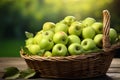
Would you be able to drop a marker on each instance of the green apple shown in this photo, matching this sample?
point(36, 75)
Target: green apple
point(88, 21)
point(98, 40)
point(34, 48)
point(46, 43)
point(73, 39)
point(113, 35)
point(69, 19)
point(48, 26)
point(88, 32)
point(39, 32)
point(59, 50)
point(29, 41)
point(61, 27)
point(75, 49)
point(88, 44)
point(98, 27)
point(48, 34)
point(47, 54)
point(64, 22)
point(75, 29)
point(37, 38)
point(60, 37)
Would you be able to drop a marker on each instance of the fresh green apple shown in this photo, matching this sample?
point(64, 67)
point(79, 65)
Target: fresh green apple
point(75, 49)
point(98, 27)
point(48, 34)
point(34, 48)
point(37, 38)
point(69, 19)
point(113, 35)
point(64, 22)
point(88, 44)
point(59, 50)
point(75, 29)
point(60, 37)
point(46, 43)
point(61, 27)
point(73, 39)
point(88, 32)
point(47, 54)
point(29, 41)
point(39, 32)
point(88, 21)
point(48, 26)
point(98, 40)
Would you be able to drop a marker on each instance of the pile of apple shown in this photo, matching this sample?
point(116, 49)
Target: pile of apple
point(68, 37)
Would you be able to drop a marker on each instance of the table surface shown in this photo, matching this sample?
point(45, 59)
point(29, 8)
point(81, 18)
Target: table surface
point(112, 74)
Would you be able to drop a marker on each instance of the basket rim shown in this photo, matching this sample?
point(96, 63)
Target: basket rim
point(60, 58)
point(71, 57)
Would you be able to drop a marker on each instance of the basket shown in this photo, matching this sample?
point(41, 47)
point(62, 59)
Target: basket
point(78, 66)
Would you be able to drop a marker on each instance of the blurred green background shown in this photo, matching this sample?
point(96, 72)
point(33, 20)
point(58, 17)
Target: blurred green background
point(18, 16)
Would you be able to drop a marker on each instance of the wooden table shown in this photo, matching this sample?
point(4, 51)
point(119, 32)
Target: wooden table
point(112, 74)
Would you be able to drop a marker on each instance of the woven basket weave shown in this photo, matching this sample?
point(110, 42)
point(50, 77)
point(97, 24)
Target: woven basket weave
point(78, 66)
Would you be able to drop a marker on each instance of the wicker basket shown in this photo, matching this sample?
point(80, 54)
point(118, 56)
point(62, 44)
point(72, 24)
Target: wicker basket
point(79, 66)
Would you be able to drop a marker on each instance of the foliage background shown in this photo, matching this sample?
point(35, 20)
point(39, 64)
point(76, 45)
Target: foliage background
point(18, 16)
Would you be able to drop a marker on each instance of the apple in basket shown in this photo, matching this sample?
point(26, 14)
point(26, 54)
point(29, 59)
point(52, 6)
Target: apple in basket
point(33, 48)
point(60, 37)
point(73, 39)
point(98, 40)
point(88, 21)
point(59, 50)
point(69, 20)
point(47, 54)
point(88, 32)
point(48, 26)
point(75, 49)
point(98, 27)
point(113, 35)
point(88, 44)
point(68, 37)
point(61, 27)
point(75, 29)
point(46, 43)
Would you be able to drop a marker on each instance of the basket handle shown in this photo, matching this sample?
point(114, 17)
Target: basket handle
point(106, 29)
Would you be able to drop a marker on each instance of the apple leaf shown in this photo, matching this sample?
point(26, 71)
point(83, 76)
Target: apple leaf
point(28, 73)
point(14, 73)
point(26, 51)
point(11, 73)
point(28, 34)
